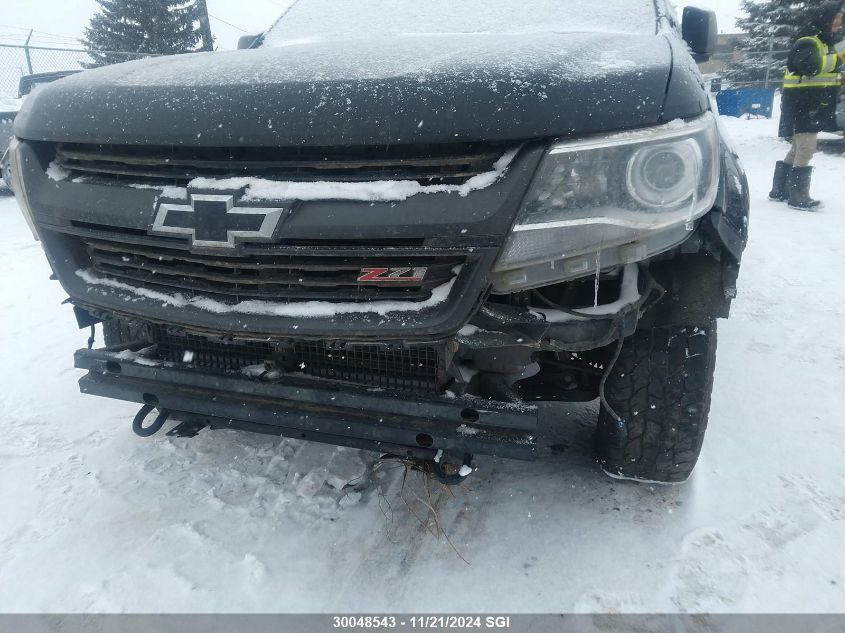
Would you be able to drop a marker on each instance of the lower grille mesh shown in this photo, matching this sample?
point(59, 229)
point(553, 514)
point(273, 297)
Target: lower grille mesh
point(213, 354)
point(416, 368)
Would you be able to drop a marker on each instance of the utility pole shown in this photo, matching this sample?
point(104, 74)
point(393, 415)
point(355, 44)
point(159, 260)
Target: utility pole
point(205, 26)
point(26, 52)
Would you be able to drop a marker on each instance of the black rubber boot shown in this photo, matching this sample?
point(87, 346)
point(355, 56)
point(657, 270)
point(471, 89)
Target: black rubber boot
point(799, 189)
point(779, 191)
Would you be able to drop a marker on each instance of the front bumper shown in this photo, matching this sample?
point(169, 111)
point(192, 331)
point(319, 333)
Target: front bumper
point(334, 414)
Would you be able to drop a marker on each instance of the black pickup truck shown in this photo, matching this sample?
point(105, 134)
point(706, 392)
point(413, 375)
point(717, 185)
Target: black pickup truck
point(401, 226)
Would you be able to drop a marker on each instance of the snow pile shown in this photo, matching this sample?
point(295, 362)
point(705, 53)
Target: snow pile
point(315, 466)
point(140, 357)
point(56, 172)
point(177, 193)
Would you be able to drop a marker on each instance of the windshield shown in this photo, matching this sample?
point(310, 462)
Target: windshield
point(318, 20)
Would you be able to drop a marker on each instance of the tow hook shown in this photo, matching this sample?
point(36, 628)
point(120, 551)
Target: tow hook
point(451, 468)
point(152, 429)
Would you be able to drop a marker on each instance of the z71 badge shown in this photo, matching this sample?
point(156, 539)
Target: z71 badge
point(392, 275)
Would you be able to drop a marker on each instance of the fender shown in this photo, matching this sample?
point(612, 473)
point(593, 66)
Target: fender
point(729, 223)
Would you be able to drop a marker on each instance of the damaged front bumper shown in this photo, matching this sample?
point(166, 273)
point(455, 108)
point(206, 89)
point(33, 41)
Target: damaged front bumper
point(497, 325)
point(469, 407)
point(367, 419)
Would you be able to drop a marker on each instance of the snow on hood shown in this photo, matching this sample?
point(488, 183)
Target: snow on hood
point(492, 87)
point(426, 57)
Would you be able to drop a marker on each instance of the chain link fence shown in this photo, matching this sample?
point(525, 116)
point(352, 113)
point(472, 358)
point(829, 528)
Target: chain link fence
point(17, 61)
point(754, 65)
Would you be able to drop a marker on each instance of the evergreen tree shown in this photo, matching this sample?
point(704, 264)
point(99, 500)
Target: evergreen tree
point(146, 27)
point(775, 23)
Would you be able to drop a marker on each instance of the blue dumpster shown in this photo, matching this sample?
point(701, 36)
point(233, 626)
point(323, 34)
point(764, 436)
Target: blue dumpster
point(751, 101)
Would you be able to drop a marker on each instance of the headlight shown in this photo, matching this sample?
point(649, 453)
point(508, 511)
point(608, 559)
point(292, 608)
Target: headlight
point(605, 192)
point(664, 175)
point(14, 157)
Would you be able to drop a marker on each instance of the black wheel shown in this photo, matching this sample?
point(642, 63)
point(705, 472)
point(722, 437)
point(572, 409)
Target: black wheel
point(660, 387)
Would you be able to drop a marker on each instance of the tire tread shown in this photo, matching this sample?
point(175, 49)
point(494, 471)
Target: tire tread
point(660, 386)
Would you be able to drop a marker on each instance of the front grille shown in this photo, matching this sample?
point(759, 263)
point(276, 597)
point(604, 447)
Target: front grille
point(428, 164)
point(213, 353)
point(277, 277)
point(416, 368)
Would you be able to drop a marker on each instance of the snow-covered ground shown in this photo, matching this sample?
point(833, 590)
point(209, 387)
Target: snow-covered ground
point(93, 518)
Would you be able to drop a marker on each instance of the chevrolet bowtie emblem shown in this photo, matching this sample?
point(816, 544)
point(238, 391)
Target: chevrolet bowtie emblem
point(213, 221)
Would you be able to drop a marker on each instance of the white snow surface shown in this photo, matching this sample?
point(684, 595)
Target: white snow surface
point(56, 172)
point(509, 62)
point(10, 104)
point(140, 357)
point(96, 519)
point(179, 193)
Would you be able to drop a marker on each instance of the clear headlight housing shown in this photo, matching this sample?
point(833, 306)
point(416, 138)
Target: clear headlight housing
point(600, 192)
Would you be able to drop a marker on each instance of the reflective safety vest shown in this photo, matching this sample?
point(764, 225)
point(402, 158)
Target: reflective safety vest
point(827, 76)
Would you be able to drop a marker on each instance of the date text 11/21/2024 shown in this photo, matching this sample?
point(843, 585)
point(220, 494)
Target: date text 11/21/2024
point(422, 622)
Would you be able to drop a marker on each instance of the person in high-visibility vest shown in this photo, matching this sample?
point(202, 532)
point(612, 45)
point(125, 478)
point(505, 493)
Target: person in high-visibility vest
point(808, 106)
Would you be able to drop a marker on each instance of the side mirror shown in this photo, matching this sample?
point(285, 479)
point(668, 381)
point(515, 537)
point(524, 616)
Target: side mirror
point(699, 31)
point(248, 41)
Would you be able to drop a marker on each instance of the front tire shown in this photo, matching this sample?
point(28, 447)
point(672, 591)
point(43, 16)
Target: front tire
point(660, 386)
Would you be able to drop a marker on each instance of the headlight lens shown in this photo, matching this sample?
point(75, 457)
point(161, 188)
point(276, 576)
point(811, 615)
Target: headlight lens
point(606, 191)
point(664, 175)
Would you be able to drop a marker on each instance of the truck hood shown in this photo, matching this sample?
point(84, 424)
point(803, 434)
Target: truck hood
point(406, 89)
